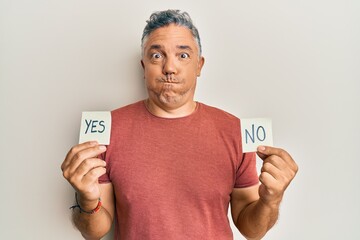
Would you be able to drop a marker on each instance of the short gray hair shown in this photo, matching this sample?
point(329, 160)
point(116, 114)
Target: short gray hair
point(164, 18)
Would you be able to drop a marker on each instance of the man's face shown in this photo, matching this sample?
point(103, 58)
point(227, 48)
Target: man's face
point(171, 65)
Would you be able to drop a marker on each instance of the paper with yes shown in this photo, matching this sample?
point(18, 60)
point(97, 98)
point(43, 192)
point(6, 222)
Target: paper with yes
point(95, 126)
point(256, 132)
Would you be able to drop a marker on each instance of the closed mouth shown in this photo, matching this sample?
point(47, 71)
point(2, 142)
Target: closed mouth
point(168, 81)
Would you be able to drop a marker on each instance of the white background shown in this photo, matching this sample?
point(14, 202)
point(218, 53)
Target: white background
point(296, 62)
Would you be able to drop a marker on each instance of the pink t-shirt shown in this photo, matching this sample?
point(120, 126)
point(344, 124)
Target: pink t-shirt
point(173, 177)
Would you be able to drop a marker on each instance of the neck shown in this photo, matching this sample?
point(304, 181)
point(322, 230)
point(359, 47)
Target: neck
point(170, 111)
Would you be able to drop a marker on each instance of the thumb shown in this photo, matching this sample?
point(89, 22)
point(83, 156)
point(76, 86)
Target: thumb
point(260, 153)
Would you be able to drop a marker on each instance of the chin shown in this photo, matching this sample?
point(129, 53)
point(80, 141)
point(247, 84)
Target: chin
point(167, 99)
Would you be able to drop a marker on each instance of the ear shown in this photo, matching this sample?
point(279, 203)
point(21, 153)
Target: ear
point(200, 65)
point(142, 64)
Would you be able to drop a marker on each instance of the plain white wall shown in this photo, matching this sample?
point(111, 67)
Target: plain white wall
point(294, 61)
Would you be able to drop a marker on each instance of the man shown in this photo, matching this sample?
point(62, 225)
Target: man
point(174, 165)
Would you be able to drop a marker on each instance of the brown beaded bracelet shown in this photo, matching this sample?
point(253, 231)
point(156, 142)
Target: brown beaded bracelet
point(82, 210)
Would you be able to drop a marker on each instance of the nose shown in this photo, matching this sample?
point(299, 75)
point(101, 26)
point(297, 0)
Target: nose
point(169, 66)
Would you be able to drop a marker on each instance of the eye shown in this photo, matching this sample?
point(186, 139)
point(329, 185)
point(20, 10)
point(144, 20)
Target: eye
point(156, 55)
point(184, 55)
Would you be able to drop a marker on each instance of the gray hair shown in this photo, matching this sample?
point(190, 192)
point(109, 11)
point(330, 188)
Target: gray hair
point(164, 18)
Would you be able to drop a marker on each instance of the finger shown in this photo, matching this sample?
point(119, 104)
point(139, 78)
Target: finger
point(268, 151)
point(261, 155)
point(267, 179)
point(75, 149)
point(272, 170)
point(81, 156)
point(87, 165)
point(272, 185)
point(287, 167)
point(93, 175)
point(276, 161)
point(270, 190)
point(285, 156)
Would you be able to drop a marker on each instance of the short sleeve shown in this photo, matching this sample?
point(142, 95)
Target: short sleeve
point(246, 174)
point(105, 177)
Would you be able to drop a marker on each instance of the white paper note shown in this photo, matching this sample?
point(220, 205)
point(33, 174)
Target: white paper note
point(95, 126)
point(256, 132)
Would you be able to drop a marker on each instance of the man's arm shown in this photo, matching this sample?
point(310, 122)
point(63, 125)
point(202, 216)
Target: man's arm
point(95, 226)
point(249, 215)
point(81, 168)
point(255, 209)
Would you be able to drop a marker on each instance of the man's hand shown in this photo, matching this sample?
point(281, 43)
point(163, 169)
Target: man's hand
point(81, 168)
point(276, 174)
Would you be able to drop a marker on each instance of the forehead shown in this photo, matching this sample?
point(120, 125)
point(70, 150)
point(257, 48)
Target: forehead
point(171, 35)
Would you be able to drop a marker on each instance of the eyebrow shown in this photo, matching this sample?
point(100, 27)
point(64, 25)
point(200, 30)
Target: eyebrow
point(183, 47)
point(155, 46)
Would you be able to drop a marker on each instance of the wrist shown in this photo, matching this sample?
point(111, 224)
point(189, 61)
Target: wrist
point(274, 204)
point(87, 206)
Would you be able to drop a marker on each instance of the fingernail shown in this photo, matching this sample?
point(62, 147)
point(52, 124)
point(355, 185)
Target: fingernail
point(102, 148)
point(93, 143)
point(261, 148)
